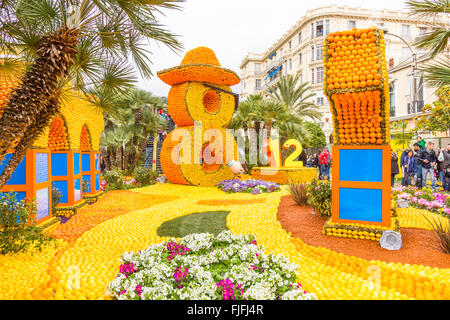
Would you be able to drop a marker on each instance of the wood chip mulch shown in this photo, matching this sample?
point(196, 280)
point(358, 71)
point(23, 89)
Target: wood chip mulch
point(419, 246)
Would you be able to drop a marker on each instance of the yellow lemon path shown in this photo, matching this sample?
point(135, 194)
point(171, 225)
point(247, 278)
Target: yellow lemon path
point(83, 268)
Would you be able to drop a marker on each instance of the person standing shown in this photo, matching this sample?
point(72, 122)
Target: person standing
point(440, 168)
point(446, 167)
point(325, 164)
point(394, 167)
point(429, 160)
point(410, 167)
point(417, 151)
point(403, 159)
point(421, 142)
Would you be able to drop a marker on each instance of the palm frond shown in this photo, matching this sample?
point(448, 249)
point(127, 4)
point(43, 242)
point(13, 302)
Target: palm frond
point(11, 68)
point(427, 8)
point(437, 74)
point(435, 41)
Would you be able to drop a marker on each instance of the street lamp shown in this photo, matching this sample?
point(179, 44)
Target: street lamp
point(414, 68)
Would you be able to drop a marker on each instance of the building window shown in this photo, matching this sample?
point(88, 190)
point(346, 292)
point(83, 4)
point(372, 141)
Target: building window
point(320, 101)
point(300, 58)
point(257, 68)
point(351, 24)
point(422, 30)
point(258, 84)
point(312, 30)
point(312, 75)
point(290, 44)
point(299, 37)
point(405, 53)
point(319, 28)
point(301, 78)
point(319, 55)
point(312, 53)
point(290, 64)
point(406, 32)
point(392, 100)
point(327, 27)
point(319, 78)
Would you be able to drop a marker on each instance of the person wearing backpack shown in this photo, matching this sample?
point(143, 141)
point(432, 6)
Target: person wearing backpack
point(410, 168)
point(325, 164)
point(429, 160)
point(403, 160)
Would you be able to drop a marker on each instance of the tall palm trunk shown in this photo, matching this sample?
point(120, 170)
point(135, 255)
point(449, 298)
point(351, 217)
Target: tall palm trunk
point(119, 159)
point(54, 57)
point(141, 150)
point(43, 120)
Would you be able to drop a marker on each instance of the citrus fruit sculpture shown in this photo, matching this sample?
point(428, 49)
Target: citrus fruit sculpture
point(356, 85)
point(200, 94)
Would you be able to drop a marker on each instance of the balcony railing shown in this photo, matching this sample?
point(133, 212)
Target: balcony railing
point(415, 106)
point(271, 82)
point(274, 63)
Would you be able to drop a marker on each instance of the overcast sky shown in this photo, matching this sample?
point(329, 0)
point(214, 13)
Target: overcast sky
point(232, 28)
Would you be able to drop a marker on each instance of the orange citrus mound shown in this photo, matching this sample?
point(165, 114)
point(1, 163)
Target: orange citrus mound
point(202, 65)
point(57, 136)
point(85, 141)
point(112, 204)
point(6, 86)
point(225, 202)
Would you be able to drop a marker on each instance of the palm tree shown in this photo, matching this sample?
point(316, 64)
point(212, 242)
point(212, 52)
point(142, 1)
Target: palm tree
point(294, 96)
point(84, 43)
point(135, 119)
point(436, 74)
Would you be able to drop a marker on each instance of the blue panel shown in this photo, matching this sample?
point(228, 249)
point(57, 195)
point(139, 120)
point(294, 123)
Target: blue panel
point(97, 182)
point(87, 183)
point(97, 167)
point(77, 194)
point(42, 204)
point(63, 188)
point(361, 165)
point(41, 167)
point(86, 162)
point(76, 163)
point(59, 164)
point(360, 204)
point(19, 177)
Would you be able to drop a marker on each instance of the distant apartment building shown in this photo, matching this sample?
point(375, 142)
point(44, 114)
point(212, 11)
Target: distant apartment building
point(299, 51)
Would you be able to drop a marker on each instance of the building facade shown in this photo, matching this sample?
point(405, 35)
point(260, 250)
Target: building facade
point(299, 51)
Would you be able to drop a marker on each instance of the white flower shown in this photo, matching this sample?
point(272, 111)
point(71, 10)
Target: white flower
point(259, 291)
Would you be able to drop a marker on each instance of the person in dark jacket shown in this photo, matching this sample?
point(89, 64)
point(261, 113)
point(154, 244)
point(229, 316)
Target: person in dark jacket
point(429, 160)
point(410, 167)
point(417, 151)
point(403, 159)
point(394, 167)
point(445, 165)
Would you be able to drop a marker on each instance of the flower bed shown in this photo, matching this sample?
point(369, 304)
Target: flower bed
point(204, 267)
point(248, 186)
point(423, 199)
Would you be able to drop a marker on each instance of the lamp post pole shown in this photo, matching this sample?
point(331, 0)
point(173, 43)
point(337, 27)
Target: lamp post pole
point(414, 69)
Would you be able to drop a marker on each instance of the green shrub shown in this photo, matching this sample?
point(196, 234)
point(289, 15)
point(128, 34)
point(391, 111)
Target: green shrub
point(319, 196)
point(18, 231)
point(114, 178)
point(298, 192)
point(145, 176)
point(442, 233)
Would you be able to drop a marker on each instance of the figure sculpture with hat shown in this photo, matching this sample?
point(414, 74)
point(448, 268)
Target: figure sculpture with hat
point(200, 94)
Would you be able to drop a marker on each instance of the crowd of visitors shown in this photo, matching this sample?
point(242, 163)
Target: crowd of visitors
point(421, 163)
point(322, 162)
